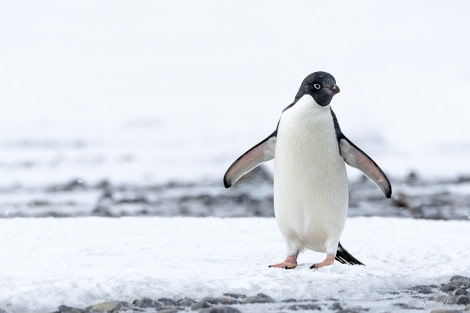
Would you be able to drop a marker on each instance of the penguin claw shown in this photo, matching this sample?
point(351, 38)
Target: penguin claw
point(289, 263)
point(285, 265)
point(330, 258)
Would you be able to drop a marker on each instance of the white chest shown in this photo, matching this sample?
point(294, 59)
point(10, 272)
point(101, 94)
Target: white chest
point(306, 142)
point(310, 181)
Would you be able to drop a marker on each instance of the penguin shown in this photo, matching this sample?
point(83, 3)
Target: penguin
point(310, 181)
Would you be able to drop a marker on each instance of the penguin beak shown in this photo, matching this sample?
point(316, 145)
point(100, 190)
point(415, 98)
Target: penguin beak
point(335, 89)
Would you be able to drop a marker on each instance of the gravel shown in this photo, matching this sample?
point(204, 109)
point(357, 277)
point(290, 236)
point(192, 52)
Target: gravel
point(252, 196)
point(453, 296)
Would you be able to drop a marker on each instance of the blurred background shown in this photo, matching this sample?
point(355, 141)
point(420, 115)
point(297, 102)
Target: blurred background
point(113, 108)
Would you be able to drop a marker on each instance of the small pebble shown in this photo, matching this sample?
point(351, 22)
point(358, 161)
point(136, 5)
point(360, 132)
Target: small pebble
point(108, 307)
point(167, 301)
point(235, 295)
point(66, 309)
point(185, 302)
point(168, 309)
point(220, 309)
point(297, 307)
point(147, 303)
point(259, 298)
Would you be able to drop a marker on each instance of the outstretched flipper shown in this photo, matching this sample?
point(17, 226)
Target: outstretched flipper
point(357, 158)
point(262, 152)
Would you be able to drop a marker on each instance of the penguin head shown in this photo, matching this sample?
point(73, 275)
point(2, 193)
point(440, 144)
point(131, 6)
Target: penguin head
point(321, 86)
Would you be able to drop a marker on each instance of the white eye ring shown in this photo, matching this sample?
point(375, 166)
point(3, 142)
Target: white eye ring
point(316, 86)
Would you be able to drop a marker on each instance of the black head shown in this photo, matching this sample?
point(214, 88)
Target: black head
point(321, 86)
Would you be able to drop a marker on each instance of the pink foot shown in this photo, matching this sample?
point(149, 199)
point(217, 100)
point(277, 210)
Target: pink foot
point(330, 258)
point(289, 263)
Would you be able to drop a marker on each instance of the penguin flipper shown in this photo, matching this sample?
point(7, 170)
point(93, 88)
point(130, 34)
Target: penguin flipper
point(355, 157)
point(262, 152)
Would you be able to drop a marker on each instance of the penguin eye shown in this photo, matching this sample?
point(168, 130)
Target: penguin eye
point(316, 86)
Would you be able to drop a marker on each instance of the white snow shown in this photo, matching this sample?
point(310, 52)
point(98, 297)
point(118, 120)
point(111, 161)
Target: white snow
point(81, 261)
point(154, 91)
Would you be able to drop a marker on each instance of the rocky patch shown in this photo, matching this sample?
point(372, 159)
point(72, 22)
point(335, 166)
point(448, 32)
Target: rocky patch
point(252, 196)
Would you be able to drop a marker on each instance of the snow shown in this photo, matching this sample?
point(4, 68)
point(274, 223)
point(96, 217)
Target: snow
point(81, 261)
point(151, 92)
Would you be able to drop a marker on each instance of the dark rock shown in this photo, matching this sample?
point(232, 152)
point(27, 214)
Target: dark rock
point(201, 305)
point(259, 298)
point(210, 301)
point(463, 179)
point(104, 184)
point(447, 288)
point(423, 289)
point(461, 292)
point(297, 307)
point(185, 302)
point(169, 309)
point(130, 198)
point(108, 307)
point(462, 299)
point(353, 310)
point(464, 281)
point(235, 295)
point(101, 210)
point(340, 309)
point(38, 203)
point(66, 309)
point(220, 309)
point(401, 200)
point(412, 178)
point(336, 306)
point(74, 184)
point(446, 311)
point(167, 301)
point(402, 305)
point(147, 303)
point(107, 195)
point(227, 300)
point(457, 286)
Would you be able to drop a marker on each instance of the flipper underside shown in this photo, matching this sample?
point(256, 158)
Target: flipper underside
point(262, 152)
point(355, 157)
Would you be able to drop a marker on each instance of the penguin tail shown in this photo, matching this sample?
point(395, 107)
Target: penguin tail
point(345, 257)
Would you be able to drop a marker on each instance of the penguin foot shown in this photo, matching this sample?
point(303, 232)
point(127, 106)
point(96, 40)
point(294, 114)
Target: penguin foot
point(286, 265)
point(289, 263)
point(330, 258)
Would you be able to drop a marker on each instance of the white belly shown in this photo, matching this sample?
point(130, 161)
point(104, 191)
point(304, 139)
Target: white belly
point(310, 180)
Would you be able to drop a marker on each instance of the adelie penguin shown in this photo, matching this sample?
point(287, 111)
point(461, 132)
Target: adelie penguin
point(310, 180)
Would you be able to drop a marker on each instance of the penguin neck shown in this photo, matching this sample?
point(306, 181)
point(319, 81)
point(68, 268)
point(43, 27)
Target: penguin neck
point(307, 109)
point(308, 126)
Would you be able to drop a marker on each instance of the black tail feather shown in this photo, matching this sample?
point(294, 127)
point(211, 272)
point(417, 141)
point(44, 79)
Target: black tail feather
point(344, 257)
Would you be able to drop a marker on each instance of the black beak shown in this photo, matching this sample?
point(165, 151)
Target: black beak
point(335, 89)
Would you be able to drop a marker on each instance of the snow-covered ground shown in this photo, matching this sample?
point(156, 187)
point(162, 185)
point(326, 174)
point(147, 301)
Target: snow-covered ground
point(151, 92)
point(81, 261)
